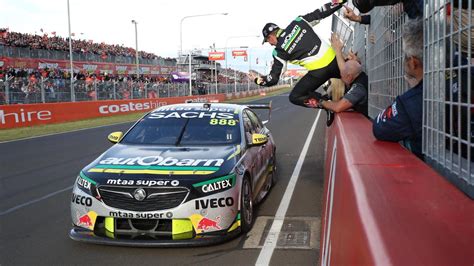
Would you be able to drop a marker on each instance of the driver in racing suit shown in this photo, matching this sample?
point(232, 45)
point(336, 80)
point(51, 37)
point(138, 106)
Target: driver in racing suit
point(300, 45)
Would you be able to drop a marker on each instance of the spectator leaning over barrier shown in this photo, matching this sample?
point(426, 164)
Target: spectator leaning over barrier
point(402, 121)
point(355, 80)
point(300, 45)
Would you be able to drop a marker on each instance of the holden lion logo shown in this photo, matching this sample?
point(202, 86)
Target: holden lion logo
point(139, 194)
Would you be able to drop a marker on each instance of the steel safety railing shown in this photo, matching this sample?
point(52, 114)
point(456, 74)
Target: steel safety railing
point(19, 90)
point(448, 106)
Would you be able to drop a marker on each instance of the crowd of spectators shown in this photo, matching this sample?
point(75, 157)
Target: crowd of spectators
point(25, 85)
point(57, 43)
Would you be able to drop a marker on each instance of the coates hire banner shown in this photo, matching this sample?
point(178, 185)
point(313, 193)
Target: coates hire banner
point(236, 53)
point(214, 56)
point(87, 66)
point(23, 115)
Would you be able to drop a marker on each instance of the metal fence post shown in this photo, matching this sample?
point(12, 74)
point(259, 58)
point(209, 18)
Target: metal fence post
point(43, 98)
point(7, 89)
point(114, 84)
point(95, 89)
point(146, 91)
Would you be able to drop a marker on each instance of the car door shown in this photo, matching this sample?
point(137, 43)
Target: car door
point(261, 158)
point(251, 152)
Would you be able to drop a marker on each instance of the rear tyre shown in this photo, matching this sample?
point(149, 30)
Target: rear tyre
point(246, 206)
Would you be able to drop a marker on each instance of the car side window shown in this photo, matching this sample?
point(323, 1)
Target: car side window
point(256, 123)
point(248, 127)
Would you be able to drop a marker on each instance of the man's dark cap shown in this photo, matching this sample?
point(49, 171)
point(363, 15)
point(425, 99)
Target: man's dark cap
point(269, 28)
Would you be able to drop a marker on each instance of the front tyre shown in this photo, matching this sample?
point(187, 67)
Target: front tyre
point(246, 206)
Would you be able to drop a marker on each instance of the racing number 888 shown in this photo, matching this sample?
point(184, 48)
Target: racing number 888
point(223, 122)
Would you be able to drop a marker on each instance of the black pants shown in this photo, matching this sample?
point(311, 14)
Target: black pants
point(306, 86)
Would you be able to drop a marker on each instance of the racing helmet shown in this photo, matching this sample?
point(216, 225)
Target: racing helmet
point(268, 29)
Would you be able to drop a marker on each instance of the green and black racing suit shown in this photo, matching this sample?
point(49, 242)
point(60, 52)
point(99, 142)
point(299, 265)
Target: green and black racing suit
point(300, 45)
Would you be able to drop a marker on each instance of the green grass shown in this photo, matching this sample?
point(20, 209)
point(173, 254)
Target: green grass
point(26, 132)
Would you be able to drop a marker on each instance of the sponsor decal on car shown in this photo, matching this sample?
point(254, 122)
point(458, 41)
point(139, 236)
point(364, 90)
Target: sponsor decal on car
point(81, 200)
point(195, 108)
point(202, 224)
point(85, 182)
point(214, 203)
point(145, 183)
point(87, 220)
point(215, 185)
point(157, 165)
point(141, 215)
point(164, 115)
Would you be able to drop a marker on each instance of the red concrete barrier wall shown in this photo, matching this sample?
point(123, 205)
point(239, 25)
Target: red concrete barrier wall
point(384, 206)
point(22, 115)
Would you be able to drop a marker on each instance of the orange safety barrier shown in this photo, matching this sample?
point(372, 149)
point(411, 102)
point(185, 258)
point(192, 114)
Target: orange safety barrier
point(384, 206)
point(22, 115)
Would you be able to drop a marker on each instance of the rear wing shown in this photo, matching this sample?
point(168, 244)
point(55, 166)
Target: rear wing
point(263, 106)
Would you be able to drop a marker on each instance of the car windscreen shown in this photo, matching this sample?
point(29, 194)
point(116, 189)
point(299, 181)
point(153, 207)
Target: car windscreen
point(185, 128)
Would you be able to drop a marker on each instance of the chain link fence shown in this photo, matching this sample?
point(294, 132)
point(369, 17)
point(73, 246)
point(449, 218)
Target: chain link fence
point(448, 106)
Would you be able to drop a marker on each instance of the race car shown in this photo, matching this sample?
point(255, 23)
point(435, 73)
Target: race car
point(182, 175)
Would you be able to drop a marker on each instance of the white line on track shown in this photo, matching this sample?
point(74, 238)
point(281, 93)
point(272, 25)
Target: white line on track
point(270, 242)
point(34, 201)
point(59, 133)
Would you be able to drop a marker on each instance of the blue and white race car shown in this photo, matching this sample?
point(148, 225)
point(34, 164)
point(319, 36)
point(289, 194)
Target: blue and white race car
point(184, 174)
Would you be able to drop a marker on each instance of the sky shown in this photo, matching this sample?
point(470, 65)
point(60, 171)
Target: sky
point(159, 23)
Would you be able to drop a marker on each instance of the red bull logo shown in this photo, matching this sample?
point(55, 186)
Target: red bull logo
point(206, 224)
point(85, 221)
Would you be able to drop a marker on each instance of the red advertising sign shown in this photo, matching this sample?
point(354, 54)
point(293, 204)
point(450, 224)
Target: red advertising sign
point(214, 56)
point(239, 53)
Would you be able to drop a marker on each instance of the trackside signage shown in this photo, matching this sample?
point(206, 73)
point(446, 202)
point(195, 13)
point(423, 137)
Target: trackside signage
point(24, 115)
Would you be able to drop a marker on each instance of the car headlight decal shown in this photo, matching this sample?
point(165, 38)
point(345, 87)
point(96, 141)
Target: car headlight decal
point(87, 185)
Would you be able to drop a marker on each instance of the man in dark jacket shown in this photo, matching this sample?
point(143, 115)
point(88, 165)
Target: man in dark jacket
point(300, 45)
point(402, 120)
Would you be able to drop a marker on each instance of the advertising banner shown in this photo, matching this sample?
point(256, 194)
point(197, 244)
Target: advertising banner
point(214, 56)
point(236, 53)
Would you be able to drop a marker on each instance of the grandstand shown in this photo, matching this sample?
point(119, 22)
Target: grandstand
point(35, 69)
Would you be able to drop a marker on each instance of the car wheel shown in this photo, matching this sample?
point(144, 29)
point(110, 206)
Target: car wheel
point(246, 206)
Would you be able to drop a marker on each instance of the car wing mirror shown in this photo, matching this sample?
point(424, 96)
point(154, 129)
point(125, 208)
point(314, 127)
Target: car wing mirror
point(259, 139)
point(115, 137)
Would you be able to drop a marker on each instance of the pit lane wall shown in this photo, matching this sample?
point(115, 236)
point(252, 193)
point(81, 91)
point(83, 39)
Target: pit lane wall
point(384, 206)
point(24, 115)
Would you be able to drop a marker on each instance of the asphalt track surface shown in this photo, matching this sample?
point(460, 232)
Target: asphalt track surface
point(36, 176)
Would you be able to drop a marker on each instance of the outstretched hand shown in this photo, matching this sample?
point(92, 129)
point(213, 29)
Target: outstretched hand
point(350, 15)
point(254, 77)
